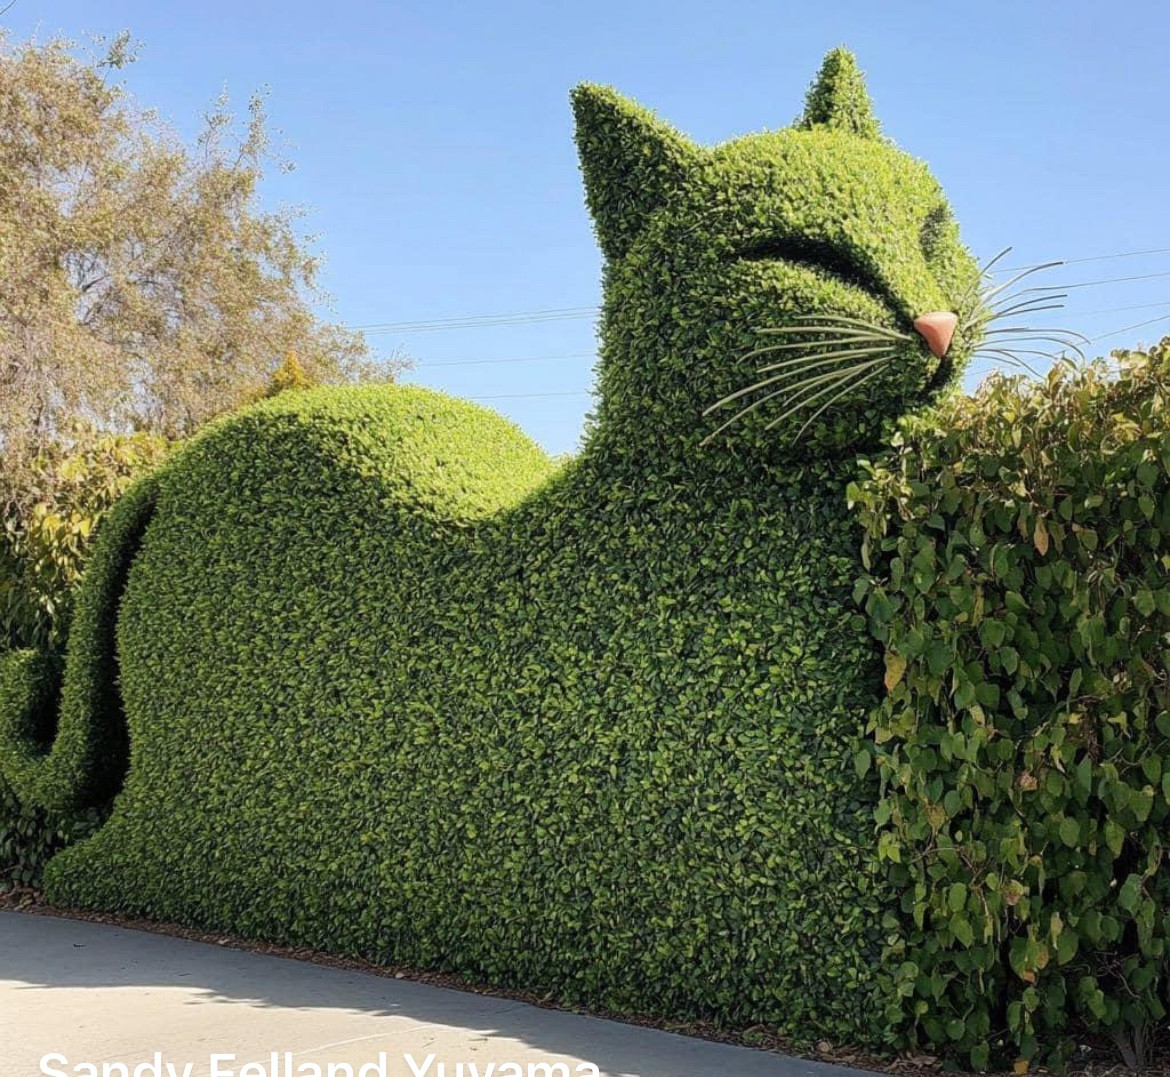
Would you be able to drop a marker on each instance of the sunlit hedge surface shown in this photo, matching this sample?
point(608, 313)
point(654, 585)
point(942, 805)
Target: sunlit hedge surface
point(396, 686)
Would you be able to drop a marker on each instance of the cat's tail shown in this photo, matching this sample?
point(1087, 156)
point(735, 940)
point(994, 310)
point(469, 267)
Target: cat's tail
point(63, 739)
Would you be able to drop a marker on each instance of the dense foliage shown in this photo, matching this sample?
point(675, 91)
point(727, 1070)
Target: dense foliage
point(839, 99)
point(508, 742)
point(47, 528)
point(30, 836)
point(48, 533)
point(398, 686)
point(1020, 585)
point(73, 755)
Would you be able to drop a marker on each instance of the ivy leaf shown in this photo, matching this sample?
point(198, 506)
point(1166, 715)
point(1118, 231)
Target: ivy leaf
point(1040, 536)
point(895, 669)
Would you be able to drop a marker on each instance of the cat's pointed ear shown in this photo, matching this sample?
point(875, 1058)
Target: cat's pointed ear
point(631, 161)
point(838, 99)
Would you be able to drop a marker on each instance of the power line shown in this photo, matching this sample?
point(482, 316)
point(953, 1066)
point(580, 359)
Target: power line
point(1093, 283)
point(1113, 310)
point(528, 317)
point(1095, 258)
point(476, 321)
point(518, 359)
point(1127, 328)
point(427, 365)
point(526, 396)
point(588, 392)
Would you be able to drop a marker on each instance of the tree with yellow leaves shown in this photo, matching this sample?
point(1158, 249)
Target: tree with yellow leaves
point(141, 286)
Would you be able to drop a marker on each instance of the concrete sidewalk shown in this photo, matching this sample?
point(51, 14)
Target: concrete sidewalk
point(93, 994)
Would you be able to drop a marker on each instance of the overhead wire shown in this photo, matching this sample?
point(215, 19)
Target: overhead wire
point(523, 396)
point(1093, 258)
point(520, 318)
point(472, 321)
point(430, 365)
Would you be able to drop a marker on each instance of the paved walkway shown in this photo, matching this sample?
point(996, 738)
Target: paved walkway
point(92, 993)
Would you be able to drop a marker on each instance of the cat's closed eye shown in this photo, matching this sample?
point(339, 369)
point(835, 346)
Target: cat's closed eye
point(817, 254)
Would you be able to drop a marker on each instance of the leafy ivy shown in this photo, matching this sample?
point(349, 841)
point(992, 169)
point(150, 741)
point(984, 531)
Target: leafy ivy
point(1018, 579)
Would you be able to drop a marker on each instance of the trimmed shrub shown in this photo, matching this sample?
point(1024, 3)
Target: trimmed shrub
point(289, 376)
point(1020, 586)
point(75, 757)
point(398, 686)
point(46, 539)
point(30, 836)
point(385, 703)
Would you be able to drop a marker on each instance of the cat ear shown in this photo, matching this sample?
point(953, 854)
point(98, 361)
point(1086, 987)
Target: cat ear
point(631, 161)
point(838, 99)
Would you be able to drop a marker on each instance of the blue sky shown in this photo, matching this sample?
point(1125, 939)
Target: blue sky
point(433, 144)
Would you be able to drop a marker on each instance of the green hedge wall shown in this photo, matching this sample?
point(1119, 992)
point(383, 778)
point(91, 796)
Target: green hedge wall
point(581, 742)
point(396, 685)
point(1021, 588)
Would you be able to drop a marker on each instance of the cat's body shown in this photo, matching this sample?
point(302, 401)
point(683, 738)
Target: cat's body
point(399, 691)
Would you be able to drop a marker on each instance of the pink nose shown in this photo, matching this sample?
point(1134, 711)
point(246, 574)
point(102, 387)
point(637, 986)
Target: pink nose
point(937, 329)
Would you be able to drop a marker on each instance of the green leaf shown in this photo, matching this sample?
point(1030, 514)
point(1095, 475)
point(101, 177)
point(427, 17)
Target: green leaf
point(1130, 893)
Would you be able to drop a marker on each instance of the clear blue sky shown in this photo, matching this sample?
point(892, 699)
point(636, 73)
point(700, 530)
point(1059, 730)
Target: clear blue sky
point(434, 147)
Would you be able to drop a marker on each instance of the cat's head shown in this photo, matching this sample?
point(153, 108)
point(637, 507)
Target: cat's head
point(819, 246)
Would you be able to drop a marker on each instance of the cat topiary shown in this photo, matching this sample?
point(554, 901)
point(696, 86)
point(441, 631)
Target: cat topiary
point(396, 685)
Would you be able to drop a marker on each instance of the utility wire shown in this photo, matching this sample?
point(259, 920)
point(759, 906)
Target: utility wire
point(477, 321)
point(1126, 329)
point(488, 321)
point(1093, 283)
point(1095, 258)
point(527, 396)
point(1113, 310)
point(517, 359)
point(429, 365)
point(568, 313)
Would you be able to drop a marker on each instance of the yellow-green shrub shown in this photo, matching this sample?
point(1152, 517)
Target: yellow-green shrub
point(46, 530)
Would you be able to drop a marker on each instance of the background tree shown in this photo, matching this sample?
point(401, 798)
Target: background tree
point(290, 376)
point(141, 286)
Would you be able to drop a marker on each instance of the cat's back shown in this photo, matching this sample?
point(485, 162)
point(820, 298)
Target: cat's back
point(294, 549)
point(398, 446)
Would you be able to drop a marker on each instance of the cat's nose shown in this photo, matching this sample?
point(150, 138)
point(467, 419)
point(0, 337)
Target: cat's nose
point(937, 329)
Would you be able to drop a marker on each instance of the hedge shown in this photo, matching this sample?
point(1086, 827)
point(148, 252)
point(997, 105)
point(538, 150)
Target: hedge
point(44, 545)
point(398, 686)
point(29, 837)
point(72, 756)
point(1020, 586)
